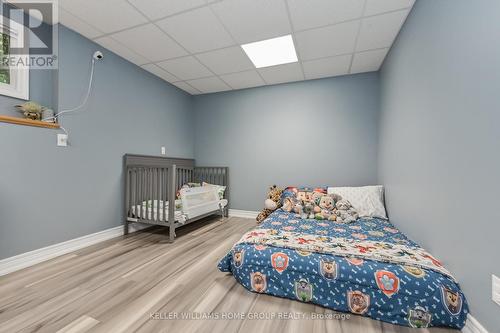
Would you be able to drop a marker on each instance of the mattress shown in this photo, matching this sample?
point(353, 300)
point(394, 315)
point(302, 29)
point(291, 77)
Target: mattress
point(367, 268)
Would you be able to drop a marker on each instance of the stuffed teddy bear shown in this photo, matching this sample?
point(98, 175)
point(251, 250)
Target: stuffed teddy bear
point(345, 212)
point(272, 203)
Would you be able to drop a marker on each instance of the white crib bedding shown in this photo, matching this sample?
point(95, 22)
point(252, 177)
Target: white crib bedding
point(148, 210)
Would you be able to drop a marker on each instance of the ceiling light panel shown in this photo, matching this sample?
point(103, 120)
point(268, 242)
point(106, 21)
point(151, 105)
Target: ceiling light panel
point(271, 52)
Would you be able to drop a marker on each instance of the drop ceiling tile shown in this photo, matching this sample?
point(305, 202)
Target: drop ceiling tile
point(155, 9)
point(250, 21)
point(281, 73)
point(186, 87)
point(380, 31)
point(121, 50)
point(368, 61)
point(327, 67)
point(374, 7)
point(225, 61)
point(108, 16)
point(149, 41)
point(209, 85)
point(76, 24)
point(328, 41)
point(243, 80)
point(160, 72)
point(316, 13)
point(185, 68)
point(197, 30)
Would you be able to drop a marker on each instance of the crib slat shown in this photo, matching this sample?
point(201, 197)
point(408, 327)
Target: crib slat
point(167, 190)
point(161, 195)
point(150, 193)
point(136, 190)
point(166, 187)
point(141, 192)
point(160, 202)
point(128, 189)
point(171, 206)
point(152, 182)
point(144, 192)
point(157, 195)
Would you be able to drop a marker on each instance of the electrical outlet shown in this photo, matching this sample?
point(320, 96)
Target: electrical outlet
point(495, 289)
point(163, 151)
point(62, 140)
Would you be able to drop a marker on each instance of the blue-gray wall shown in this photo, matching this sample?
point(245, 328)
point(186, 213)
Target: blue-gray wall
point(440, 139)
point(50, 194)
point(319, 132)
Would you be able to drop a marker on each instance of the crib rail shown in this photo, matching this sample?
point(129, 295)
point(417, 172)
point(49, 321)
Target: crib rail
point(212, 175)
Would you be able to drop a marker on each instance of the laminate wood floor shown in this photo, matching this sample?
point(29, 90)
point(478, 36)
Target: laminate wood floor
point(140, 283)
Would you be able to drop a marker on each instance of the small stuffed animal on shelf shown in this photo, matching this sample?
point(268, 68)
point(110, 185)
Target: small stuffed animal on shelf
point(345, 212)
point(272, 203)
point(31, 110)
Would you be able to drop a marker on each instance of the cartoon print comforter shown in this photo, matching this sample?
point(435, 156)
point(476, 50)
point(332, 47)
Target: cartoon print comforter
point(367, 268)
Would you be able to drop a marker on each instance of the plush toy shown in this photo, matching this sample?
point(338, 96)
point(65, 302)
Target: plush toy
point(308, 203)
point(304, 194)
point(300, 201)
point(345, 212)
point(307, 210)
point(325, 207)
point(291, 204)
point(31, 110)
point(272, 203)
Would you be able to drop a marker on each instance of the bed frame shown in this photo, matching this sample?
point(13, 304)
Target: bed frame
point(159, 178)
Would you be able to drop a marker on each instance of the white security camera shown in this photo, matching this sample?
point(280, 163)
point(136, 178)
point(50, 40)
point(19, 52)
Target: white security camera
point(98, 55)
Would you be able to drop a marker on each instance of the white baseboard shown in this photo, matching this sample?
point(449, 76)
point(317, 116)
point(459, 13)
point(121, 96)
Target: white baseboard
point(473, 326)
point(248, 214)
point(23, 260)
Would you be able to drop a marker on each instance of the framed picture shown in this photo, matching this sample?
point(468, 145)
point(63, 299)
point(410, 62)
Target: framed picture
point(14, 76)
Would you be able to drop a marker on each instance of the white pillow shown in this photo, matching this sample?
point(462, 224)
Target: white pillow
point(368, 201)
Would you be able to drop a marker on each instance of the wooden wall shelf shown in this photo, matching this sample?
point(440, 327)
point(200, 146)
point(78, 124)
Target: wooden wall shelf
point(28, 122)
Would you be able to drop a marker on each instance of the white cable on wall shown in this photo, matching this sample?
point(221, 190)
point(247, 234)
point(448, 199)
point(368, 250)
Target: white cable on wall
point(97, 56)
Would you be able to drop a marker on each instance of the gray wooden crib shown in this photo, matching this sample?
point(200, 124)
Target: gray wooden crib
point(150, 179)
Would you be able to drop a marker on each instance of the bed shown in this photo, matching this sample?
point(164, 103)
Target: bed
point(152, 182)
point(367, 268)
